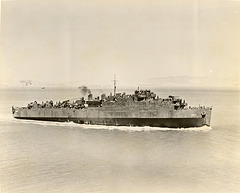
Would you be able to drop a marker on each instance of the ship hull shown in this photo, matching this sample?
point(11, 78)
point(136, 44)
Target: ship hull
point(152, 122)
point(122, 116)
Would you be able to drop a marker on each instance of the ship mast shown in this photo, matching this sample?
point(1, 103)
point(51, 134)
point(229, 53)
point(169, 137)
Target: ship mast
point(114, 85)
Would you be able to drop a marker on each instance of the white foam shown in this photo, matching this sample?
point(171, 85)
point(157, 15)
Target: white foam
point(145, 128)
point(105, 127)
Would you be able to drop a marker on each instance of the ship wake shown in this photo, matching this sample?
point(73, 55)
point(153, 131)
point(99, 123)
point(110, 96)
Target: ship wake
point(144, 128)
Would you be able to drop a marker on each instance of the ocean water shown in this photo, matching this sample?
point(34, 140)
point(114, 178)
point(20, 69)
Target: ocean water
point(39, 157)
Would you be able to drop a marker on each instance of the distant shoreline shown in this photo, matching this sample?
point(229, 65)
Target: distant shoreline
point(120, 88)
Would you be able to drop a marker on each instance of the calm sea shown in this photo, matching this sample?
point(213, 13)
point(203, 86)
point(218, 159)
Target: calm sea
point(39, 157)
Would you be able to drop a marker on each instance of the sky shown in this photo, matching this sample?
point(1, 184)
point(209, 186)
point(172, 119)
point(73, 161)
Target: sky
point(87, 42)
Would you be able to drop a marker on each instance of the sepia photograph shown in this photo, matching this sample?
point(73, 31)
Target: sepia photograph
point(138, 96)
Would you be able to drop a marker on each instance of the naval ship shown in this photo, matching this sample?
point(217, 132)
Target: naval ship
point(142, 108)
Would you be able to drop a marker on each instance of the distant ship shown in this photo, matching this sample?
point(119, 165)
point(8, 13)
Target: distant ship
point(142, 108)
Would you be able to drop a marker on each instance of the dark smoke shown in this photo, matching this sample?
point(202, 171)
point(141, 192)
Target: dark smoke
point(84, 90)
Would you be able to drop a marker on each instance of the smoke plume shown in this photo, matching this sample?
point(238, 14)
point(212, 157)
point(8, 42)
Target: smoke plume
point(84, 90)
